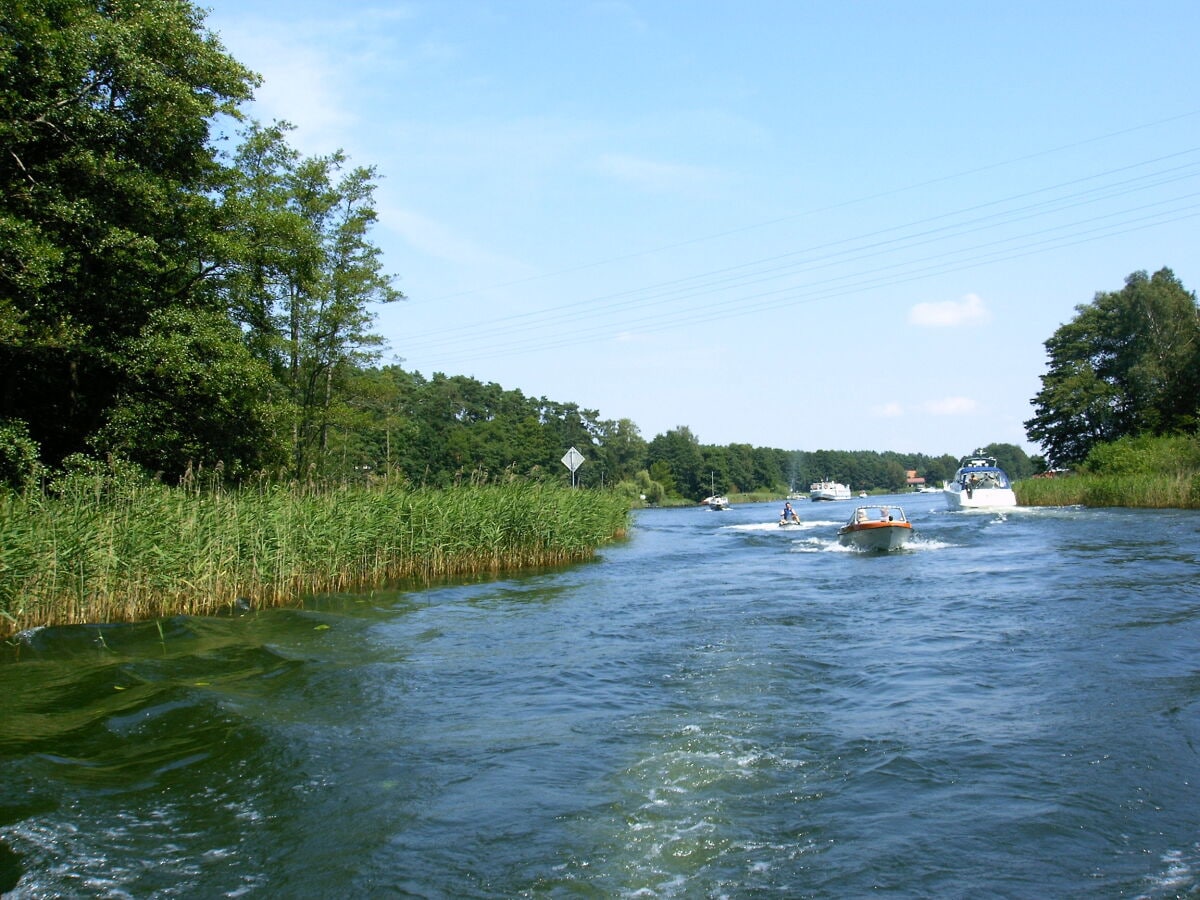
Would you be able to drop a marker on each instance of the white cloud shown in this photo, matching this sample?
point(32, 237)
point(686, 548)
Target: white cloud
point(949, 313)
point(651, 175)
point(950, 406)
point(889, 410)
point(300, 84)
point(310, 67)
point(435, 239)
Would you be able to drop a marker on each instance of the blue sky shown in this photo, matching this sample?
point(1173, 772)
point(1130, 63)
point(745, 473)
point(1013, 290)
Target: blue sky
point(790, 224)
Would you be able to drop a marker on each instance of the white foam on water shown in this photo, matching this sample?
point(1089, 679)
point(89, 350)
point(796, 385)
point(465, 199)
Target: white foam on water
point(788, 528)
point(1178, 876)
point(821, 545)
point(922, 543)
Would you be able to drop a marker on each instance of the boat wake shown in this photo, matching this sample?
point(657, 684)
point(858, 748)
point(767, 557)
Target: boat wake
point(821, 545)
point(791, 528)
point(833, 545)
point(922, 543)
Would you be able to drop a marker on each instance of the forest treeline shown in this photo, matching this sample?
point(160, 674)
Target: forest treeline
point(447, 429)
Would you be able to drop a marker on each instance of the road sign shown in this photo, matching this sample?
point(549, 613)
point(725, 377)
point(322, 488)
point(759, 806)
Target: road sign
point(572, 459)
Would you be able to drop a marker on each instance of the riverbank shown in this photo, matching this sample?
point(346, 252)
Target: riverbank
point(1177, 491)
point(155, 551)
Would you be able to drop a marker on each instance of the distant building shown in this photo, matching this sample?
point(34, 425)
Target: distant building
point(912, 479)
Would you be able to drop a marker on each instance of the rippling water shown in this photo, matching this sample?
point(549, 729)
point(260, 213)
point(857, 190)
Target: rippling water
point(718, 707)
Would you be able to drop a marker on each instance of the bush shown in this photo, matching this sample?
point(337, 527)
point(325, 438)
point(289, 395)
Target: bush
point(85, 477)
point(20, 467)
point(1145, 455)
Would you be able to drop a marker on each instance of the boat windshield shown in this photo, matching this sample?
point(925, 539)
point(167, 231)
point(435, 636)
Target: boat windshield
point(865, 514)
point(985, 478)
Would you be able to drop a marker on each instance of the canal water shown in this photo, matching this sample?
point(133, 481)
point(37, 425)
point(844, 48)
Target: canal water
point(716, 707)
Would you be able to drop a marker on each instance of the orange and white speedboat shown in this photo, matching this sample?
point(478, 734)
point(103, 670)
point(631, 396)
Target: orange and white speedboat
point(876, 528)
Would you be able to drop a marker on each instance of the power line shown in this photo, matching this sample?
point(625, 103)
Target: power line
point(854, 249)
point(836, 288)
point(815, 211)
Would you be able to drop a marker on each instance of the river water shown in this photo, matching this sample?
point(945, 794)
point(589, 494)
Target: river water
point(716, 707)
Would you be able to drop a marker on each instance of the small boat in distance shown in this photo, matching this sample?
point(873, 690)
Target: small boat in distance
point(828, 490)
point(715, 501)
point(876, 528)
point(979, 484)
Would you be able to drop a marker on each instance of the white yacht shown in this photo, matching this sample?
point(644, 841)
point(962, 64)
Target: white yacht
point(979, 484)
point(828, 490)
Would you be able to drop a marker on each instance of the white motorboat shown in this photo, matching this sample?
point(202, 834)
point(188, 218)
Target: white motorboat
point(979, 484)
point(876, 528)
point(828, 490)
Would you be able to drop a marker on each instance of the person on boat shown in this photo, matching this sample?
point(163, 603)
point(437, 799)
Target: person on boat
point(788, 515)
point(860, 516)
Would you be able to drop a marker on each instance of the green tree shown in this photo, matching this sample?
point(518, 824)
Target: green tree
point(19, 465)
point(714, 461)
point(623, 449)
point(740, 465)
point(303, 277)
point(652, 490)
point(106, 185)
point(195, 397)
point(1012, 459)
point(1128, 363)
point(334, 335)
point(680, 451)
point(660, 474)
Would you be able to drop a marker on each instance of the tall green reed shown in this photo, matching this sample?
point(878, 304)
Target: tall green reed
point(1180, 490)
point(150, 550)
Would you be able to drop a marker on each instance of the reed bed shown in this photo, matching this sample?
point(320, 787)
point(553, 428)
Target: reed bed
point(1180, 490)
point(155, 550)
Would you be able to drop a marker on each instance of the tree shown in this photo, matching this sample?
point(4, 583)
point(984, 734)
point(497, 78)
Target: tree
point(1012, 459)
point(106, 182)
point(195, 397)
point(303, 277)
point(1128, 363)
point(660, 474)
point(623, 449)
point(330, 333)
point(679, 450)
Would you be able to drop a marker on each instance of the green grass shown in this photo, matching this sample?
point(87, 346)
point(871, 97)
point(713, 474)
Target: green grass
point(1156, 472)
point(1154, 491)
point(148, 550)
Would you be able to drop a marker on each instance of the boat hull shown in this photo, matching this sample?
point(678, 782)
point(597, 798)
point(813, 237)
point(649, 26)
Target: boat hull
point(879, 536)
point(979, 498)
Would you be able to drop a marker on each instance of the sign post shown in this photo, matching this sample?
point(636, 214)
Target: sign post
point(572, 459)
